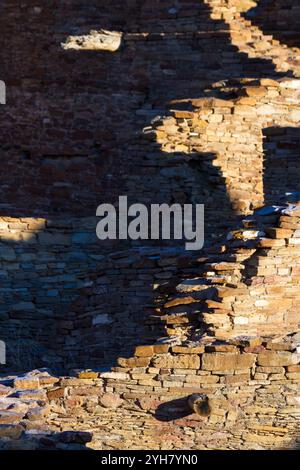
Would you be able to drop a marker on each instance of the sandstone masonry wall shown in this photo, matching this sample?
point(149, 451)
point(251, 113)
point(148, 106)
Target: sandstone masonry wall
point(199, 104)
point(162, 119)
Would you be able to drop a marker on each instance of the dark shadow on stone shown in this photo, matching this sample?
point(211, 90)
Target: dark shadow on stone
point(281, 168)
point(174, 409)
point(280, 18)
point(72, 117)
point(281, 181)
point(100, 346)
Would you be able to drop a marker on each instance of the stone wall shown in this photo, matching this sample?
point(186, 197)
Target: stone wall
point(72, 129)
point(200, 104)
point(252, 393)
point(66, 302)
point(240, 359)
point(279, 18)
point(83, 126)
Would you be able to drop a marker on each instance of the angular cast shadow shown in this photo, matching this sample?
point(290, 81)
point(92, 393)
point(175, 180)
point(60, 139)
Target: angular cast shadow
point(71, 129)
point(174, 409)
point(280, 18)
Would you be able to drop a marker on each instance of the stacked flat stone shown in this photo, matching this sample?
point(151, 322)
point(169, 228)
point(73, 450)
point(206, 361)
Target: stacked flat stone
point(252, 389)
point(247, 371)
point(250, 285)
point(231, 330)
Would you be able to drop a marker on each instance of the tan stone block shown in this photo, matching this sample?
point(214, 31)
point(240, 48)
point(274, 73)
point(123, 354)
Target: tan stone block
point(293, 241)
point(25, 383)
point(290, 226)
point(279, 232)
point(74, 382)
point(235, 379)
point(293, 376)
point(181, 361)
point(143, 376)
point(260, 410)
point(4, 391)
point(10, 417)
point(188, 350)
point(263, 439)
point(203, 379)
point(48, 380)
point(280, 346)
point(212, 304)
point(271, 370)
point(275, 358)
point(229, 361)
point(215, 118)
point(221, 348)
point(115, 375)
point(161, 348)
point(272, 429)
point(296, 233)
point(56, 393)
point(294, 368)
point(291, 217)
point(225, 266)
point(245, 110)
point(88, 375)
point(250, 342)
point(270, 242)
point(260, 376)
point(224, 292)
point(268, 82)
point(169, 384)
point(152, 370)
point(134, 362)
point(247, 100)
point(201, 125)
point(144, 351)
point(258, 91)
point(183, 114)
point(211, 103)
point(219, 318)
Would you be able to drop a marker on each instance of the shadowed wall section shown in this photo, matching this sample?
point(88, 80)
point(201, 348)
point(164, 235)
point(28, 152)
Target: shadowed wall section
point(197, 105)
point(280, 18)
point(166, 118)
point(281, 162)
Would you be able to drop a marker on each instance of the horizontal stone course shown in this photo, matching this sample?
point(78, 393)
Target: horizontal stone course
point(229, 327)
point(220, 361)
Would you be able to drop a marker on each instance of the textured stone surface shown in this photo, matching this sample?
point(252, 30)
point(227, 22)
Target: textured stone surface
point(219, 361)
point(198, 104)
point(96, 41)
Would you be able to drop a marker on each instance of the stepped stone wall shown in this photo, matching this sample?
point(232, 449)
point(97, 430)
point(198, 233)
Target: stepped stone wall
point(83, 126)
point(60, 295)
point(250, 381)
point(200, 103)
